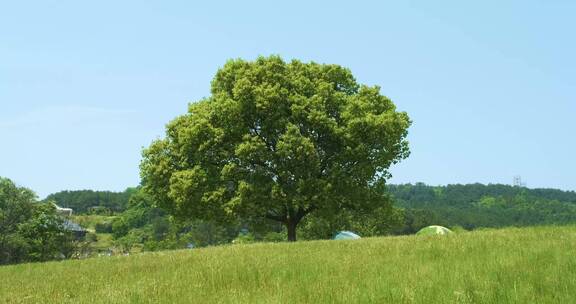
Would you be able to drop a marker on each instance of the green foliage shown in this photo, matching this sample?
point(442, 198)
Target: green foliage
point(103, 227)
point(140, 213)
point(131, 239)
point(90, 221)
point(30, 231)
point(416, 219)
point(476, 205)
point(380, 221)
point(246, 238)
point(528, 265)
point(274, 237)
point(104, 244)
point(206, 233)
point(277, 141)
point(91, 237)
point(92, 202)
point(100, 210)
point(458, 229)
point(151, 228)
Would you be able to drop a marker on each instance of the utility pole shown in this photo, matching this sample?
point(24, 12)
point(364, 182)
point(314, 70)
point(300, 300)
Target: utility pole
point(518, 182)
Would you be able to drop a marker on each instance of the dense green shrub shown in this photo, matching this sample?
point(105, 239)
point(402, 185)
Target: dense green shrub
point(30, 231)
point(103, 227)
point(91, 237)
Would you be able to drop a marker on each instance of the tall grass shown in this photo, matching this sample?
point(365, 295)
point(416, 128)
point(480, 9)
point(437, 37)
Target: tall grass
point(528, 265)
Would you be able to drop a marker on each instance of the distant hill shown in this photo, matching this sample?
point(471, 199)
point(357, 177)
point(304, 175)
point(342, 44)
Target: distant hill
point(470, 206)
point(83, 201)
point(476, 205)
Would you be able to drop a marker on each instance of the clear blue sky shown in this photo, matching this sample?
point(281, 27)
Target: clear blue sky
point(490, 85)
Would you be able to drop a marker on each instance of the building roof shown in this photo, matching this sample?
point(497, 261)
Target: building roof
point(71, 226)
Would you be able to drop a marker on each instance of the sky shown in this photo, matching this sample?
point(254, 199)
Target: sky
point(489, 85)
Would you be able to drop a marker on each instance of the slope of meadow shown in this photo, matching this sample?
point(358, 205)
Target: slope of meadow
point(528, 265)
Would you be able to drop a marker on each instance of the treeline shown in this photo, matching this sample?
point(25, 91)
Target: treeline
point(476, 205)
point(93, 202)
point(31, 230)
point(411, 208)
point(415, 206)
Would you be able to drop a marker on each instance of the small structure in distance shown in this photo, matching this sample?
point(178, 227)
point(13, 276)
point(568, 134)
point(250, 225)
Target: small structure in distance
point(346, 235)
point(77, 231)
point(63, 211)
point(517, 182)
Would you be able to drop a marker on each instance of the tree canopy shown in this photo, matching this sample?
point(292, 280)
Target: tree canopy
point(278, 141)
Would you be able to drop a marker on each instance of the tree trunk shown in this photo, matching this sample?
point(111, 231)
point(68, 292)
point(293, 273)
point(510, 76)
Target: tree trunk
point(291, 226)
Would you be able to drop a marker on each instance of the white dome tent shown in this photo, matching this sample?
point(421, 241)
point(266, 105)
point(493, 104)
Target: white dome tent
point(346, 235)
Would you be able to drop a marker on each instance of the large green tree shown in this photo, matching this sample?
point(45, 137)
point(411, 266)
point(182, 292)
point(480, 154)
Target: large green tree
point(278, 141)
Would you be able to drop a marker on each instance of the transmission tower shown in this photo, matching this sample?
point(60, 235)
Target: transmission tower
point(518, 181)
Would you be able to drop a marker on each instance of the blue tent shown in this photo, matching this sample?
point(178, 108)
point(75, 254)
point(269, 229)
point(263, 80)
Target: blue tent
point(346, 235)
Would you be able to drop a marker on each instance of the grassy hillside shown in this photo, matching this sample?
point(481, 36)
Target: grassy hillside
point(89, 221)
point(529, 265)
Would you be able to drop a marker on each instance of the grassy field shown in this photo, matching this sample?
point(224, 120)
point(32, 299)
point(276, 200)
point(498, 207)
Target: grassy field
point(529, 265)
point(89, 221)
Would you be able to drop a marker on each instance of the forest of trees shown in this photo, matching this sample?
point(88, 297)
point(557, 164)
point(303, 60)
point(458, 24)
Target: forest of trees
point(89, 201)
point(476, 205)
